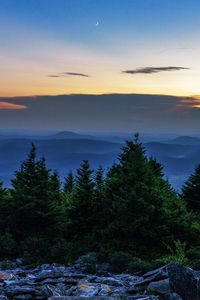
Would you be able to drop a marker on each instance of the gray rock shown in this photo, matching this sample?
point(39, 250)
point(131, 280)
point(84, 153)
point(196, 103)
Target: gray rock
point(184, 281)
point(83, 298)
point(139, 297)
point(144, 297)
point(85, 289)
point(2, 297)
point(159, 287)
point(109, 281)
point(5, 276)
point(162, 271)
point(172, 296)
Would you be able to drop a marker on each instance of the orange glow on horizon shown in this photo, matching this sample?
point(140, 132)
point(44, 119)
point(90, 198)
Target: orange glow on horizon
point(7, 105)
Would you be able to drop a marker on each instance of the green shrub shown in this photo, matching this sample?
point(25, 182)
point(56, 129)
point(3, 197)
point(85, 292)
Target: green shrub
point(195, 264)
point(60, 251)
point(8, 247)
point(35, 250)
point(124, 262)
point(88, 263)
point(119, 261)
point(177, 254)
point(138, 265)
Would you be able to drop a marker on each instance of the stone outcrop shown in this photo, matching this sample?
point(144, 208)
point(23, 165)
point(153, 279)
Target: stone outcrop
point(184, 281)
point(59, 282)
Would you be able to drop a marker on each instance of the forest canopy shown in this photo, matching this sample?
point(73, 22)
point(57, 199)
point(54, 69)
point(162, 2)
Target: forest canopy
point(129, 216)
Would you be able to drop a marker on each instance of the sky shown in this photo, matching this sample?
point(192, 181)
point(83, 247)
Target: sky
point(97, 47)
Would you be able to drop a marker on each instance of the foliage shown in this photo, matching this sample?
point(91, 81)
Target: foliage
point(177, 254)
point(191, 191)
point(127, 216)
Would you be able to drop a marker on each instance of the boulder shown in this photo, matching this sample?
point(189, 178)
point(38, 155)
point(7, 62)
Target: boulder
point(2, 297)
point(85, 289)
point(162, 272)
point(172, 296)
point(159, 287)
point(184, 281)
point(5, 276)
point(109, 281)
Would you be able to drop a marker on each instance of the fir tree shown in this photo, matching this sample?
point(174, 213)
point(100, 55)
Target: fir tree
point(99, 182)
point(69, 183)
point(4, 208)
point(30, 196)
point(80, 210)
point(140, 204)
point(191, 191)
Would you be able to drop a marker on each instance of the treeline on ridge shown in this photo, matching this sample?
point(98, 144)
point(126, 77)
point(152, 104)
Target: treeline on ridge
point(130, 216)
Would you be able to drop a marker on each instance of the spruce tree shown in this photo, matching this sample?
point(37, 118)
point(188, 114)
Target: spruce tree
point(69, 183)
point(99, 182)
point(55, 187)
point(4, 208)
point(30, 197)
point(140, 206)
point(191, 191)
point(80, 211)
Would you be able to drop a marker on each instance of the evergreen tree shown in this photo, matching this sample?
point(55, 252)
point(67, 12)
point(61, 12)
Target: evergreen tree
point(156, 167)
point(99, 182)
point(4, 208)
point(80, 210)
point(191, 191)
point(69, 183)
point(30, 197)
point(141, 206)
point(55, 187)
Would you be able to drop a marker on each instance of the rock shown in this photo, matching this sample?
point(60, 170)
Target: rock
point(49, 290)
point(48, 274)
point(147, 298)
point(162, 271)
point(139, 297)
point(85, 289)
point(83, 298)
point(159, 287)
point(109, 281)
point(184, 281)
point(152, 276)
point(172, 296)
point(2, 297)
point(134, 290)
point(22, 290)
point(5, 276)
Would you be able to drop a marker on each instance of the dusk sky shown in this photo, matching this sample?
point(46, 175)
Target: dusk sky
point(62, 47)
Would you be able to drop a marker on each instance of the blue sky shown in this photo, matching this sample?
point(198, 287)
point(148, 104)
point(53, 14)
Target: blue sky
point(99, 38)
point(57, 47)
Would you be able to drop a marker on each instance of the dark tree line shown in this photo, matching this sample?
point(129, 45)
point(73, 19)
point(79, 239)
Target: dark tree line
point(130, 214)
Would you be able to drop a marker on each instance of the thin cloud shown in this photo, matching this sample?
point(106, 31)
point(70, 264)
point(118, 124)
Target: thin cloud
point(151, 70)
point(7, 105)
point(66, 74)
point(175, 49)
point(74, 74)
point(54, 76)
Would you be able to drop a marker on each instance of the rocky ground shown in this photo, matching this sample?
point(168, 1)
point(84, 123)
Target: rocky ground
point(59, 282)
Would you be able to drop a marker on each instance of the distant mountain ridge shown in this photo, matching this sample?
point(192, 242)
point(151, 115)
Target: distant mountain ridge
point(185, 140)
point(64, 151)
point(70, 135)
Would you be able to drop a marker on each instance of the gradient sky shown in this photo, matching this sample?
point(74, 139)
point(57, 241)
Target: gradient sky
point(50, 47)
point(100, 47)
